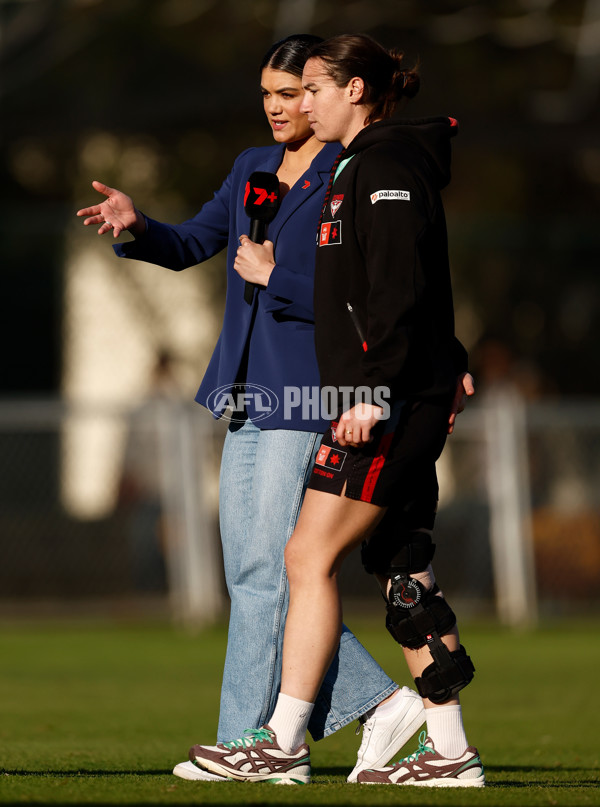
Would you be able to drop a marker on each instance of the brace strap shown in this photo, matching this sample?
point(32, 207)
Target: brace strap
point(447, 675)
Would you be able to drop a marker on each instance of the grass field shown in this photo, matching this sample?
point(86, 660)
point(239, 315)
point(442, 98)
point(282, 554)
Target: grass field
point(99, 714)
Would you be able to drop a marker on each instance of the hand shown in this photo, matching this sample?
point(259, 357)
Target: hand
point(354, 427)
point(465, 387)
point(254, 262)
point(117, 213)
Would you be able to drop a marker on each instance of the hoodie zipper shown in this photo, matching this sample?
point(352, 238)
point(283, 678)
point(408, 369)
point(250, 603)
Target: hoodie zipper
point(356, 324)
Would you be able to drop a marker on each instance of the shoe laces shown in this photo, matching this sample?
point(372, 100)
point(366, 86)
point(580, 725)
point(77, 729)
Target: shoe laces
point(422, 749)
point(366, 722)
point(250, 738)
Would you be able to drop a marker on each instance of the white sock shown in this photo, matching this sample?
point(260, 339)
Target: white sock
point(445, 728)
point(290, 721)
point(385, 707)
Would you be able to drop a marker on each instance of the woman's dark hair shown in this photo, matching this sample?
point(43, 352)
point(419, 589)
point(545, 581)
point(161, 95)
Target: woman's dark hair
point(290, 54)
point(386, 80)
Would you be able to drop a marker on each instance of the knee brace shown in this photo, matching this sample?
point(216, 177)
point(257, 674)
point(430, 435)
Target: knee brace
point(417, 617)
point(413, 614)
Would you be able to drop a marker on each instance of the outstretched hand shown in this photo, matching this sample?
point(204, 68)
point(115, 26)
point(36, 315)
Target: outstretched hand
point(117, 212)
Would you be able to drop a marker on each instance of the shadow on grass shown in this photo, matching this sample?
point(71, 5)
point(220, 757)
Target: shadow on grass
point(85, 772)
point(537, 775)
point(525, 768)
point(341, 772)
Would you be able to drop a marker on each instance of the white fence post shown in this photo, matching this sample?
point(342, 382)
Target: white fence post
point(510, 508)
point(194, 567)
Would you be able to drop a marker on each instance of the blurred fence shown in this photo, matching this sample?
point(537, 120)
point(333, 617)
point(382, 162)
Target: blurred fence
point(111, 510)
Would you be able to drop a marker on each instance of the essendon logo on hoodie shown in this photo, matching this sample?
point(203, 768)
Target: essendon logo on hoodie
point(330, 233)
point(336, 202)
point(331, 458)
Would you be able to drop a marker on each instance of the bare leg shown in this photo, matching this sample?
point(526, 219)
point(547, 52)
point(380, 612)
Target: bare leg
point(328, 528)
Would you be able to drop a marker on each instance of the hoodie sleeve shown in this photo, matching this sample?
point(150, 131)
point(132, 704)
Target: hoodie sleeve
point(460, 356)
point(393, 217)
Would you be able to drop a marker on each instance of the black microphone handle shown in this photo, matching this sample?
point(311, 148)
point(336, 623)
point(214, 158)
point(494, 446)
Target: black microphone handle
point(258, 232)
point(249, 292)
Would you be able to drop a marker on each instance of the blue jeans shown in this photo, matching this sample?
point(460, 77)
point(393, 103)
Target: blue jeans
point(263, 477)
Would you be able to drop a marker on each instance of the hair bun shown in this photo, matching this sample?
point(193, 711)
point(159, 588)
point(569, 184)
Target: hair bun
point(405, 82)
point(386, 80)
point(411, 82)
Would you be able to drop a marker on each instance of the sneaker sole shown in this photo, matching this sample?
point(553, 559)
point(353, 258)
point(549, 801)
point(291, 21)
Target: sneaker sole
point(479, 782)
point(191, 773)
point(417, 720)
point(274, 778)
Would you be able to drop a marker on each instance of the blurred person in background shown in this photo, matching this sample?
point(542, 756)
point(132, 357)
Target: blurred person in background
point(384, 322)
point(140, 488)
point(266, 461)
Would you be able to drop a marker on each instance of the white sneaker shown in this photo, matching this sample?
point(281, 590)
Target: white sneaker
point(384, 736)
point(191, 772)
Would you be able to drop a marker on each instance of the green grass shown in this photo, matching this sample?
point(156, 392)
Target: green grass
point(99, 714)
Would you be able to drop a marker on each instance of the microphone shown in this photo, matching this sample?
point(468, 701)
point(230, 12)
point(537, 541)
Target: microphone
point(261, 203)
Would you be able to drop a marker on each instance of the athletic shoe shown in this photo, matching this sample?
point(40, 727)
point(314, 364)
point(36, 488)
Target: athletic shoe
point(191, 772)
point(384, 736)
point(429, 769)
point(256, 757)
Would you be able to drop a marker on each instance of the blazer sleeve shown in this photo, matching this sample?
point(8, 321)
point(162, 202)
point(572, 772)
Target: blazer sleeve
point(290, 293)
point(178, 246)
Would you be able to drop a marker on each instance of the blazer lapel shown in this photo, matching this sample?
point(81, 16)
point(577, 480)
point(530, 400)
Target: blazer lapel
point(272, 162)
point(313, 180)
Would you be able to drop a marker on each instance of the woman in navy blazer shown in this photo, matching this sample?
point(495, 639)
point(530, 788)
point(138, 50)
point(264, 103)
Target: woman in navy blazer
point(268, 453)
point(277, 331)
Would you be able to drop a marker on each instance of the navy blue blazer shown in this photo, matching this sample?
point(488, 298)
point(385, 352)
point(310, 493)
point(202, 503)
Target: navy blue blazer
point(280, 341)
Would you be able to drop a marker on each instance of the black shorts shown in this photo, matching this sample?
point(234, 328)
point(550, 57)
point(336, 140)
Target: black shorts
point(397, 468)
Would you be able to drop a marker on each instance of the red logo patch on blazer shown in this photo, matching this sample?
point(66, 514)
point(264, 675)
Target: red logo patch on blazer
point(336, 202)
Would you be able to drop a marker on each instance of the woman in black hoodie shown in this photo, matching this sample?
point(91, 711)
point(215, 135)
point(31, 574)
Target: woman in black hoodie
point(388, 360)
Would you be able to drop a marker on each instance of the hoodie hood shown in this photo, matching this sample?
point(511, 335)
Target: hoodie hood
point(430, 136)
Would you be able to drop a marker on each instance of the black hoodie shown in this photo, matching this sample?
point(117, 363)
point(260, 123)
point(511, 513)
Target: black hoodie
point(383, 300)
